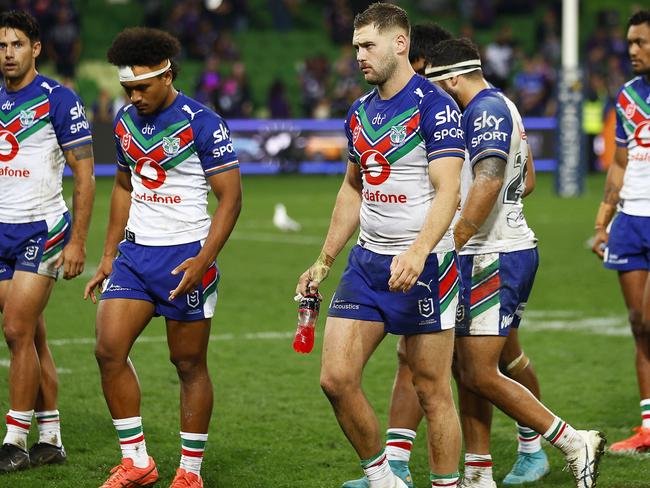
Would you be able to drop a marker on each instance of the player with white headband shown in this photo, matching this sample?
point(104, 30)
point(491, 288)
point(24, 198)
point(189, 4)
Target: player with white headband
point(498, 261)
point(171, 151)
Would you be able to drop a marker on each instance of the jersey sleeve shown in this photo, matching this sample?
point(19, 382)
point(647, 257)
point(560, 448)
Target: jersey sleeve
point(213, 144)
point(488, 128)
point(440, 123)
point(621, 136)
point(122, 139)
point(352, 126)
point(69, 119)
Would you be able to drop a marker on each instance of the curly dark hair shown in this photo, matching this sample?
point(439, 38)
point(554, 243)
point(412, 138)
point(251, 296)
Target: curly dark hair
point(454, 51)
point(143, 46)
point(640, 17)
point(424, 38)
point(22, 21)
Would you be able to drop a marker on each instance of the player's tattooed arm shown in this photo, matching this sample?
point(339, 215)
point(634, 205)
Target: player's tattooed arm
point(488, 180)
point(80, 160)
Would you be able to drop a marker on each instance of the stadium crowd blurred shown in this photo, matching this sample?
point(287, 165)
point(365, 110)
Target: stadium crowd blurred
point(206, 29)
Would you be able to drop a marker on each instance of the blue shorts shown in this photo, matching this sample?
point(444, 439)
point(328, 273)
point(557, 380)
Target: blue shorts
point(144, 273)
point(628, 248)
point(34, 247)
point(494, 291)
point(429, 306)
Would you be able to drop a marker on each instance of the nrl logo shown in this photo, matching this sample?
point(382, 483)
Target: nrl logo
point(27, 118)
point(126, 141)
point(397, 135)
point(425, 307)
point(171, 145)
point(629, 110)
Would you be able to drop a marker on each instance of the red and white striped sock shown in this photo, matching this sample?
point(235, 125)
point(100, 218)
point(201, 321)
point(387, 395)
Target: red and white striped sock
point(49, 427)
point(132, 443)
point(529, 440)
point(399, 443)
point(444, 480)
point(192, 448)
point(478, 466)
point(645, 413)
point(378, 471)
point(18, 424)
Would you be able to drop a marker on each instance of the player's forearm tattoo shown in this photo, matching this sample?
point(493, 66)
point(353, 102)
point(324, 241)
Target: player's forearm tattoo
point(82, 152)
point(611, 194)
point(490, 168)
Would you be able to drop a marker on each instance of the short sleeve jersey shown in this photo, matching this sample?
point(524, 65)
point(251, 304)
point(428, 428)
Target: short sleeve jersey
point(493, 128)
point(171, 155)
point(633, 132)
point(394, 141)
point(37, 124)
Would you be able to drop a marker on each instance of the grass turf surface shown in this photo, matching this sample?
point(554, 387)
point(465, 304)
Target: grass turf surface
point(271, 426)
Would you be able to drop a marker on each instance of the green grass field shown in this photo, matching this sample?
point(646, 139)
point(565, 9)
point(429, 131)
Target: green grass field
point(272, 427)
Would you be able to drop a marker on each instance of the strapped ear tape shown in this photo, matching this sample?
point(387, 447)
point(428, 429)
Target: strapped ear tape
point(437, 73)
point(126, 73)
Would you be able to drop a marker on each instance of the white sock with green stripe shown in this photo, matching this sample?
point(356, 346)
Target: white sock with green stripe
point(18, 424)
point(378, 471)
point(478, 467)
point(529, 440)
point(444, 480)
point(49, 427)
point(563, 436)
point(129, 430)
point(192, 448)
point(645, 413)
point(399, 443)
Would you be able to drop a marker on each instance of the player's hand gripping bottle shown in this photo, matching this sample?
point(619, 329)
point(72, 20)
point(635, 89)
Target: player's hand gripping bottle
point(308, 310)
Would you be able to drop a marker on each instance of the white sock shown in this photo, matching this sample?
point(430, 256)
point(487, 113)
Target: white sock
point(645, 413)
point(478, 467)
point(378, 471)
point(529, 440)
point(129, 430)
point(18, 424)
point(564, 437)
point(49, 427)
point(399, 443)
point(192, 448)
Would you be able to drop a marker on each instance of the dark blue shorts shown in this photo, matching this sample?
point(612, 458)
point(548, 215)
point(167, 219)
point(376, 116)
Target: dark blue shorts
point(363, 294)
point(628, 248)
point(33, 247)
point(494, 291)
point(144, 273)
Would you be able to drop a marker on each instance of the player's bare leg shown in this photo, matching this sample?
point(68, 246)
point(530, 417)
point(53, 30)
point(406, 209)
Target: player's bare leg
point(24, 298)
point(119, 322)
point(188, 349)
point(478, 365)
point(347, 346)
point(636, 293)
point(429, 357)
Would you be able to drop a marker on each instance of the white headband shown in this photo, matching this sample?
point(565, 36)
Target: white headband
point(126, 73)
point(437, 73)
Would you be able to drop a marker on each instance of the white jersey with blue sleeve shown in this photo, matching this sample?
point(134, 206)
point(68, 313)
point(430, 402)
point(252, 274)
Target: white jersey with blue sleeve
point(170, 156)
point(493, 128)
point(37, 124)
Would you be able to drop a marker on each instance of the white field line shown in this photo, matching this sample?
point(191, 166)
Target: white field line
point(4, 363)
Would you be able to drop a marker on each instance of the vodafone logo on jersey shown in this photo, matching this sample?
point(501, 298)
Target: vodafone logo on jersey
point(642, 134)
point(376, 167)
point(150, 172)
point(8, 146)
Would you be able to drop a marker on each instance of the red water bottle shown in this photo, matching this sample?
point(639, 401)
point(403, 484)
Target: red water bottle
point(308, 310)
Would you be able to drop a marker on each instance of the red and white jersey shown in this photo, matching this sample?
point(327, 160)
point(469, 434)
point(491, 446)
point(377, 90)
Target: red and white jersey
point(37, 124)
point(170, 155)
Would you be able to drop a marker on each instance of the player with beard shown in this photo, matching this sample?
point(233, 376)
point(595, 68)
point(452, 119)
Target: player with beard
point(401, 188)
point(624, 241)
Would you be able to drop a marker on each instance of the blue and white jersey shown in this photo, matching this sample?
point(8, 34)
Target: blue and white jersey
point(37, 124)
point(394, 141)
point(170, 155)
point(633, 133)
point(493, 128)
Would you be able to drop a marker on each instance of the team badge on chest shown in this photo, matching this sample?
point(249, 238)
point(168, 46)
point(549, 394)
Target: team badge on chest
point(397, 135)
point(27, 118)
point(126, 141)
point(171, 145)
